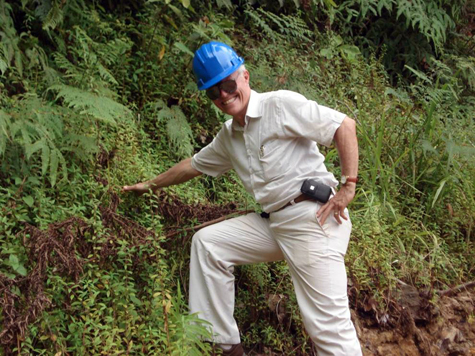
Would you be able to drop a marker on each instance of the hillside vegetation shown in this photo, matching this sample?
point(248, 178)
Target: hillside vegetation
point(95, 95)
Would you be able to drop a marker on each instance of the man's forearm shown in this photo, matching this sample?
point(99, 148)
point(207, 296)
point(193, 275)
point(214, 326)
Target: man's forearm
point(179, 173)
point(347, 146)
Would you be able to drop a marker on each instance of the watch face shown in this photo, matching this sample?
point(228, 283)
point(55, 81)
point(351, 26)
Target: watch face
point(343, 179)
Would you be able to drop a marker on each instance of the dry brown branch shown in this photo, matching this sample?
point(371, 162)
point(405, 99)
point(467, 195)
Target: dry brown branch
point(457, 289)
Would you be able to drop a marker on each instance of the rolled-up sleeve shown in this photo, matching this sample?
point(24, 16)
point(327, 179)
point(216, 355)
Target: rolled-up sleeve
point(306, 118)
point(213, 159)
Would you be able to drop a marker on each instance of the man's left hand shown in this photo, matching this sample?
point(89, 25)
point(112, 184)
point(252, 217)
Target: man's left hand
point(336, 205)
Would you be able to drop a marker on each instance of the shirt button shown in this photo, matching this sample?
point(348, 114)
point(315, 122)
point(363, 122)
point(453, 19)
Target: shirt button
point(249, 152)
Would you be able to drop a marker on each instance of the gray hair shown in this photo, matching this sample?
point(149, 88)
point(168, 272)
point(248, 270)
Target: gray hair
point(241, 69)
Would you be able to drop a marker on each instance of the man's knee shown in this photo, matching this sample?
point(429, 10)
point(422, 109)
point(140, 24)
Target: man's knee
point(198, 240)
point(203, 239)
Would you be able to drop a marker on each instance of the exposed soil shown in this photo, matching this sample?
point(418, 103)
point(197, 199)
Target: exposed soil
point(447, 329)
point(413, 326)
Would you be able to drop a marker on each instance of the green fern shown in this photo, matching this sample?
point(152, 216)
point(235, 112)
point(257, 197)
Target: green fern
point(280, 27)
point(180, 132)
point(428, 18)
point(66, 66)
point(292, 27)
point(86, 62)
point(214, 30)
point(37, 129)
point(10, 40)
point(54, 17)
point(112, 51)
point(41, 134)
point(187, 331)
point(59, 42)
point(257, 21)
point(178, 129)
point(4, 129)
point(101, 108)
point(465, 68)
point(3, 58)
point(106, 75)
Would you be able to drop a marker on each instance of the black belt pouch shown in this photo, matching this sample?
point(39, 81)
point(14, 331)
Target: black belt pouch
point(316, 190)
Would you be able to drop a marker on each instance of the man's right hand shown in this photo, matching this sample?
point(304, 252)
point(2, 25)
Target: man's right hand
point(139, 188)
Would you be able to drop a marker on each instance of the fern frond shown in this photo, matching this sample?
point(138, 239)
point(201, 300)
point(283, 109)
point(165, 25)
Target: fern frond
point(112, 51)
point(43, 8)
point(54, 17)
point(45, 155)
point(18, 61)
point(10, 39)
point(178, 129)
point(106, 75)
point(82, 146)
point(51, 121)
point(180, 133)
point(92, 59)
point(65, 65)
point(296, 28)
point(100, 108)
point(58, 41)
point(466, 69)
point(4, 128)
point(225, 3)
point(33, 148)
point(36, 130)
point(56, 159)
point(3, 59)
point(3, 66)
point(158, 105)
point(257, 21)
point(278, 27)
point(430, 19)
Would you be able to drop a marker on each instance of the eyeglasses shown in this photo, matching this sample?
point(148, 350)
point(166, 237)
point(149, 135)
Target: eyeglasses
point(229, 86)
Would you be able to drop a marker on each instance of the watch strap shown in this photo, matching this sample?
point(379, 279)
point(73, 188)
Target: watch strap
point(350, 179)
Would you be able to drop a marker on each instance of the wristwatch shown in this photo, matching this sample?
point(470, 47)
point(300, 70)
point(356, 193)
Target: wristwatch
point(346, 179)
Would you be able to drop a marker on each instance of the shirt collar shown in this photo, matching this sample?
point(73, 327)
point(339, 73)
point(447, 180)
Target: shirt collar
point(252, 110)
point(253, 106)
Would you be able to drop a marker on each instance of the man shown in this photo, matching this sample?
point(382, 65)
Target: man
point(271, 144)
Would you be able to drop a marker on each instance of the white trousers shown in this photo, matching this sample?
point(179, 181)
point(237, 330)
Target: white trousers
point(315, 256)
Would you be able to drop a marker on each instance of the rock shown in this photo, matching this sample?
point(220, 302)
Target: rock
point(458, 350)
point(448, 337)
point(356, 323)
point(451, 334)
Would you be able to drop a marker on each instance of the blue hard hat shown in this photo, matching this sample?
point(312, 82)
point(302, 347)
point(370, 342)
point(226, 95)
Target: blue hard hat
point(213, 62)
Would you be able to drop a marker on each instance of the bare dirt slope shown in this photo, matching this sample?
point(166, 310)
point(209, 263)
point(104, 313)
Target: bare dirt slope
point(444, 327)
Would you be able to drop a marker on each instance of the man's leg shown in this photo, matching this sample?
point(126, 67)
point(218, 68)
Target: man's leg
point(214, 252)
point(315, 256)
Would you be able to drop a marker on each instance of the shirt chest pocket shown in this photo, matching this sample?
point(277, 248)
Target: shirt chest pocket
point(271, 158)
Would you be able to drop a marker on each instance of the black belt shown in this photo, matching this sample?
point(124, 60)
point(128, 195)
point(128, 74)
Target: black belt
point(299, 199)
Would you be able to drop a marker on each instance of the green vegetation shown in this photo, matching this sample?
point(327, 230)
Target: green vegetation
point(98, 94)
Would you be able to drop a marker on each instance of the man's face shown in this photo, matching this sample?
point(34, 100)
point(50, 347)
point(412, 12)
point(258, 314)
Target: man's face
point(235, 104)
